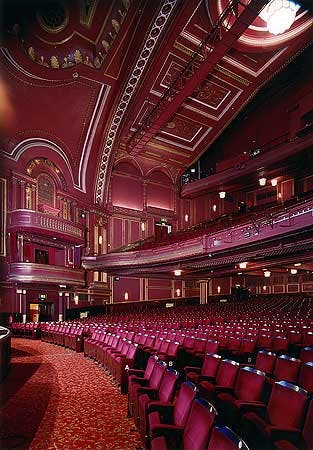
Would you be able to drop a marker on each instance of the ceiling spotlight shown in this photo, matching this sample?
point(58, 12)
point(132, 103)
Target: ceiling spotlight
point(222, 194)
point(267, 273)
point(243, 265)
point(293, 271)
point(177, 273)
point(262, 181)
point(274, 182)
point(279, 15)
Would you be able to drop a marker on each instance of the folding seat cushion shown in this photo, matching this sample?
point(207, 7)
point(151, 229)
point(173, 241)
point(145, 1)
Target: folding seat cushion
point(286, 369)
point(170, 357)
point(305, 379)
point(223, 438)
point(165, 393)
point(172, 414)
point(206, 372)
point(194, 436)
point(225, 379)
point(283, 416)
point(143, 375)
point(247, 393)
point(305, 442)
point(154, 383)
point(306, 354)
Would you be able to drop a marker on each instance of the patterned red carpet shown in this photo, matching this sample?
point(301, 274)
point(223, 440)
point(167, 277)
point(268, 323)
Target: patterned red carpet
point(54, 398)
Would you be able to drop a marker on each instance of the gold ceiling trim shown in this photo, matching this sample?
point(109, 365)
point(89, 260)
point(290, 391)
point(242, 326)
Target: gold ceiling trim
point(85, 19)
point(232, 75)
point(186, 50)
point(169, 150)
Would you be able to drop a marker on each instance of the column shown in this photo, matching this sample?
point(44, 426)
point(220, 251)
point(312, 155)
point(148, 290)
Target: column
point(60, 306)
point(24, 292)
point(203, 292)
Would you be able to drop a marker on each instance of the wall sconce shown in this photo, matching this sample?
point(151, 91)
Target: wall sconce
point(274, 182)
point(267, 273)
point(178, 292)
point(76, 299)
point(222, 194)
point(177, 273)
point(293, 271)
point(126, 296)
point(143, 226)
point(243, 265)
point(262, 181)
point(186, 217)
point(218, 289)
point(297, 264)
point(100, 240)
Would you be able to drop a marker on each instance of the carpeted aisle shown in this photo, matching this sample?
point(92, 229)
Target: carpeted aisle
point(54, 398)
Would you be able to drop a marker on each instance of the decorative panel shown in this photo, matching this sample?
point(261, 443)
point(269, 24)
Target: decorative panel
point(3, 214)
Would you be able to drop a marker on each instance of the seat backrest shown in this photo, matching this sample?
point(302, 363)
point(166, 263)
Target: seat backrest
point(210, 364)
point(286, 406)
point(306, 354)
point(198, 426)
point(168, 385)
point(199, 345)
point(306, 377)
point(308, 339)
point(248, 345)
point(187, 394)
point(150, 366)
point(286, 368)
point(173, 349)
point(211, 347)
point(307, 432)
point(227, 373)
point(223, 438)
point(249, 385)
point(157, 375)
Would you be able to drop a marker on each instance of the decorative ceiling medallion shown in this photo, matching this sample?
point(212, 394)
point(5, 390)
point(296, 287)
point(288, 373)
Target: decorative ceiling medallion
point(52, 16)
point(132, 83)
point(257, 35)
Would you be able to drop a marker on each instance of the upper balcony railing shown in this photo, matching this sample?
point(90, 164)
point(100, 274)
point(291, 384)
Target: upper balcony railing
point(28, 220)
point(45, 273)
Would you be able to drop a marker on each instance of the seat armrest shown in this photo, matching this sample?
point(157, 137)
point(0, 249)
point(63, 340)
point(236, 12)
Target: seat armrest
point(147, 390)
point(229, 390)
point(205, 378)
point(257, 407)
point(136, 372)
point(167, 430)
point(188, 369)
point(161, 407)
point(141, 381)
point(290, 434)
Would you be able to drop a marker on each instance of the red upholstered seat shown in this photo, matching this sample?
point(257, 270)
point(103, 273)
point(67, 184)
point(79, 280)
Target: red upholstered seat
point(225, 379)
point(305, 442)
point(165, 393)
point(305, 379)
point(223, 438)
point(286, 368)
point(247, 393)
point(306, 354)
point(194, 436)
point(172, 414)
point(206, 372)
point(284, 416)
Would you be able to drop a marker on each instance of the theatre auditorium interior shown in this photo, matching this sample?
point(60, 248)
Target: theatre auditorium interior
point(156, 218)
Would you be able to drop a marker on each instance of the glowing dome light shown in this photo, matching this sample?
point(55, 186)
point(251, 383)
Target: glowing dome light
point(267, 273)
point(279, 15)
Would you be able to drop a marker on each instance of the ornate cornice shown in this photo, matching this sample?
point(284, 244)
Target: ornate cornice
point(130, 88)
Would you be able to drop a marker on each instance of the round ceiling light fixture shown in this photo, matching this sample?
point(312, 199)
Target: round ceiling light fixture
point(279, 15)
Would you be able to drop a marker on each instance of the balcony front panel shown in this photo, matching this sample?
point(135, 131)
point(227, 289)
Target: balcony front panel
point(37, 222)
point(43, 273)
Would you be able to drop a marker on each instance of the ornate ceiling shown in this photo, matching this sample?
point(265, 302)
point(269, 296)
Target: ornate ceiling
point(156, 82)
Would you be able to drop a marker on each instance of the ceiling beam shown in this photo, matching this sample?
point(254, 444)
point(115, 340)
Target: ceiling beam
point(212, 50)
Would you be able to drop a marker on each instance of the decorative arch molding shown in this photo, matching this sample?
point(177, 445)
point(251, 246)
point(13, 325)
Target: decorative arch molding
point(165, 13)
point(32, 143)
point(163, 170)
point(130, 161)
point(36, 166)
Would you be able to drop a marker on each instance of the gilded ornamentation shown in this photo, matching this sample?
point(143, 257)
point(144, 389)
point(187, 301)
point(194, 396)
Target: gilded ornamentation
point(31, 53)
point(126, 4)
point(78, 57)
point(211, 94)
point(105, 45)
point(67, 63)
point(87, 61)
point(97, 62)
point(116, 26)
point(54, 62)
point(42, 61)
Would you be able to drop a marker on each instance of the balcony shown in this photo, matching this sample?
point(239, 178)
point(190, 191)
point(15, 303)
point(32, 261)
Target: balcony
point(44, 273)
point(36, 222)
